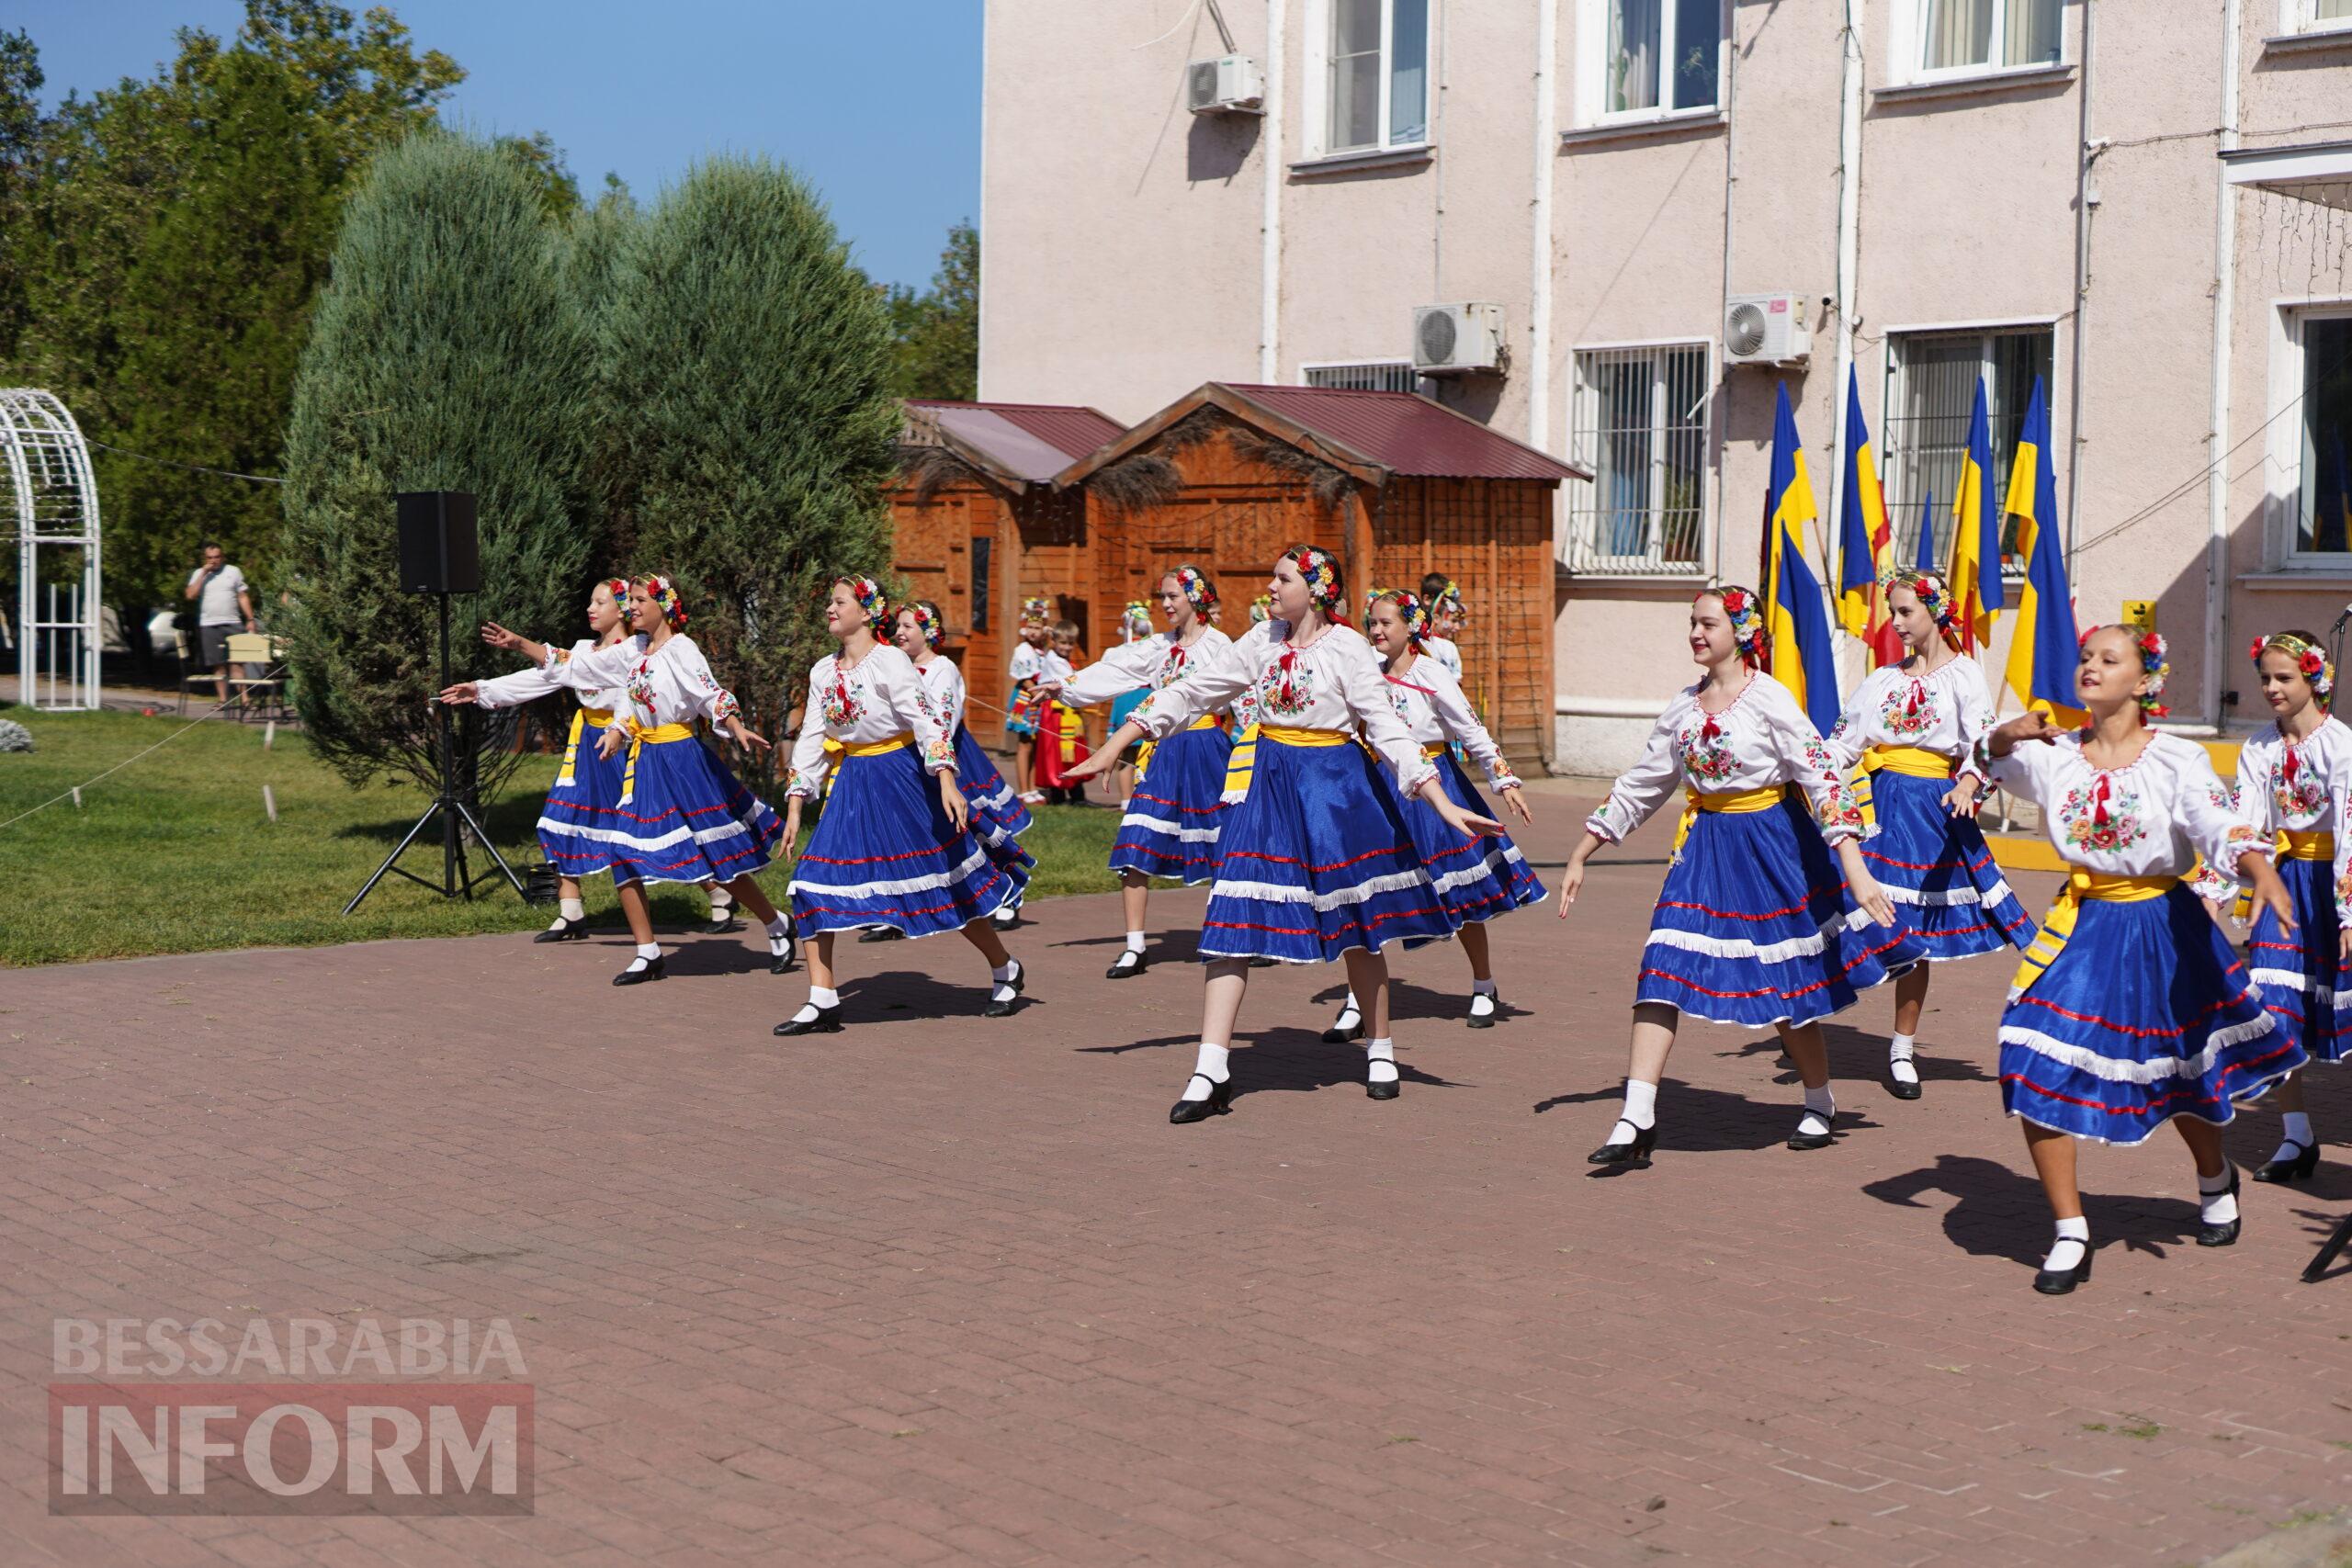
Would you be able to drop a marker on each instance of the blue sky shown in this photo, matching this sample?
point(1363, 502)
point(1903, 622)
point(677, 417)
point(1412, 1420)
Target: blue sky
point(877, 101)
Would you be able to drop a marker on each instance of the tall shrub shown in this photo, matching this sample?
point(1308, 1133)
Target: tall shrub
point(746, 361)
point(447, 353)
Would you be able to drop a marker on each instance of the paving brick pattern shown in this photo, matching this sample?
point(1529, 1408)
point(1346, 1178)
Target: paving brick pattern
point(942, 1290)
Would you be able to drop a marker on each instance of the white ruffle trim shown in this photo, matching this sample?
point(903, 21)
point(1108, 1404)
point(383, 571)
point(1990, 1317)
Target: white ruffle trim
point(1949, 898)
point(1496, 863)
point(2288, 980)
point(2115, 1069)
point(1173, 830)
point(1763, 953)
point(971, 863)
point(728, 830)
point(1323, 903)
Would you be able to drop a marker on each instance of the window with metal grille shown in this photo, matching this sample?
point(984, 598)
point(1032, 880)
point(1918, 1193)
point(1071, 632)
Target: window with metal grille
point(1367, 376)
point(1931, 380)
point(1641, 426)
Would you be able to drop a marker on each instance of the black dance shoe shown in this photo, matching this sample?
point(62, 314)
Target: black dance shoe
point(783, 963)
point(567, 930)
point(827, 1022)
point(1389, 1090)
point(1127, 965)
point(2297, 1166)
point(1185, 1111)
point(1020, 983)
point(2059, 1282)
point(1900, 1089)
point(1634, 1153)
point(1340, 1034)
point(882, 933)
point(652, 971)
point(1486, 1020)
point(1802, 1139)
point(722, 925)
point(1263, 963)
point(2224, 1235)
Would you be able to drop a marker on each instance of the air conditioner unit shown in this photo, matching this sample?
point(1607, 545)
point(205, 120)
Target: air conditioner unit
point(1225, 84)
point(1766, 328)
point(1453, 340)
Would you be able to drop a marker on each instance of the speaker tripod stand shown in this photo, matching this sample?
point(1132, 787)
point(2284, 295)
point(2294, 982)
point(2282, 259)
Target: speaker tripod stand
point(456, 818)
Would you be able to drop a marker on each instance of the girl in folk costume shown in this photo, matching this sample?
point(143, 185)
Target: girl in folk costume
point(1912, 727)
point(892, 847)
point(1170, 826)
point(1134, 625)
point(1316, 863)
point(2291, 781)
point(1061, 739)
point(1447, 616)
point(1753, 925)
point(1022, 722)
point(2130, 1009)
point(1475, 879)
point(680, 816)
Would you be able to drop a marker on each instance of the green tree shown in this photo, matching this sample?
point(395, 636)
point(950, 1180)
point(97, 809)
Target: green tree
point(449, 353)
point(935, 346)
point(23, 130)
point(745, 361)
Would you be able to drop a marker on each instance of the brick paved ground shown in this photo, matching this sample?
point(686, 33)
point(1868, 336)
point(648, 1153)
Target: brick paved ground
point(942, 1290)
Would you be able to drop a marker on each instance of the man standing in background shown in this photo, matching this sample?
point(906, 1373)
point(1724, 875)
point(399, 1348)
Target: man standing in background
point(223, 604)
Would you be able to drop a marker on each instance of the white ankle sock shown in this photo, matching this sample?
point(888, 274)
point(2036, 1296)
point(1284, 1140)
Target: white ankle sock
point(821, 998)
point(646, 953)
point(572, 908)
point(2299, 1127)
point(1381, 1066)
point(2073, 1242)
point(1482, 1003)
point(1135, 941)
point(1000, 988)
point(722, 902)
point(1641, 1106)
point(1350, 1014)
point(1899, 1064)
point(1208, 1068)
point(1819, 1105)
point(1483, 987)
point(2217, 1204)
point(779, 937)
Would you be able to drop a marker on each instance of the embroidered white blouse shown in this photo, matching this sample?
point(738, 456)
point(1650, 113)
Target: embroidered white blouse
point(1250, 647)
point(670, 684)
point(2152, 818)
point(882, 695)
point(1027, 658)
point(1943, 711)
point(1147, 664)
point(1429, 700)
point(1762, 739)
point(530, 684)
point(945, 684)
point(1334, 683)
point(2303, 788)
point(1445, 652)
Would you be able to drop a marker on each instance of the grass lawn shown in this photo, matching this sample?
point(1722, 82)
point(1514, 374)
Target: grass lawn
point(176, 854)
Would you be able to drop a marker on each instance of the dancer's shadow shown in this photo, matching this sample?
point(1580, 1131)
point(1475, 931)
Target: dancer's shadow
point(901, 993)
point(1998, 1213)
point(1286, 1061)
point(1709, 1121)
point(1849, 1046)
point(1167, 947)
point(1406, 1000)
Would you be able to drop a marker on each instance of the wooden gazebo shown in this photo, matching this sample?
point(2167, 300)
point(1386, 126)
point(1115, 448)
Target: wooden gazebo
point(1228, 477)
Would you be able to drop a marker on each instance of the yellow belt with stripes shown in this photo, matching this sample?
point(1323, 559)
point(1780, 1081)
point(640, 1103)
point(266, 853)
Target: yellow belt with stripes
point(639, 738)
point(595, 717)
point(1737, 802)
point(1143, 758)
point(2058, 925)
point(1244, 761)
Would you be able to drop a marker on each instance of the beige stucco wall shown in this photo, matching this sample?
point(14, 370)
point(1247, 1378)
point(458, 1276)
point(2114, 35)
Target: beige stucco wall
point(1123, 266)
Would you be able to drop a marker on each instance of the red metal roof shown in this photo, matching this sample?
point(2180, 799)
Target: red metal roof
point(1408, 434)
point(1034, 441)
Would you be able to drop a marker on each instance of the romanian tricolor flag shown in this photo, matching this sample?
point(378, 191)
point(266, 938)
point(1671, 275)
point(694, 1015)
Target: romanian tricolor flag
point(2042, 653)
point(1792, 611)
point(1865, 540)
point(1976, 534)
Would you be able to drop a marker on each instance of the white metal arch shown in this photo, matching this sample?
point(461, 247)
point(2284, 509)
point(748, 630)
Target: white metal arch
point(54, 519)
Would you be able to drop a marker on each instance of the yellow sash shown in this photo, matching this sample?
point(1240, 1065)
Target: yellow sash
point(2292, 843)
point(2059, 924)
point(1916, 762)
point(879, 748)
point(599, 718)
point(1432, 750)
point(1738, 802)
point(1143, 758)
point(1244, 761)
point(639, 738)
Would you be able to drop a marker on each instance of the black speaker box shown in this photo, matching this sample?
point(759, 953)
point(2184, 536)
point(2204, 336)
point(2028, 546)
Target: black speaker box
point(440, 551)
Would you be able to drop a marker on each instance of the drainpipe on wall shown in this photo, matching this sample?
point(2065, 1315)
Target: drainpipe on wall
point(980, 225)
point(2085, 197)
point(1437, 174)
point(1539, 281)
point(2217, 445)
point(1731, 179)
point(1270, 224)
point(1850, 227)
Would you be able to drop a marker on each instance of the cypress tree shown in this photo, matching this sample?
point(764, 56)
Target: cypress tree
point(447, 353)
point(746, 363)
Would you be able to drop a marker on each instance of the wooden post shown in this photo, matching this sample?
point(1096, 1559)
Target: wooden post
point(1362, 572)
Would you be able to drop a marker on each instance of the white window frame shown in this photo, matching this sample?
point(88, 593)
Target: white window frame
point(1386, 362)
point(2284, 455)
point(1592, 69)
point(2299, 17)
point(1906, 36)
point(1318, 22)
point(1580, 496)
point(1890, 399)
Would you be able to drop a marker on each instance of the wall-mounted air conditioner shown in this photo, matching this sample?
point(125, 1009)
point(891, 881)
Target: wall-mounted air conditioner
point(1455, 340)
point(1227, 84)
point(1766, 328)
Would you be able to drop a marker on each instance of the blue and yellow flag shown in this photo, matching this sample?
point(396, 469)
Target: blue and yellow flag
point(1976, 534)
point(1927, 559)
point(1865, 540)
point(2042, 653)
point(1792, 611)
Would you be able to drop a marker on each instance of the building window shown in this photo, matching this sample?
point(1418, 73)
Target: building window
point(1641, 427)
point(1376, 75)
point(2314, 15)
point(1987, 35)
point(2320, 496)
point(1931, 381)
point(1662, 55)
point(1367, 376)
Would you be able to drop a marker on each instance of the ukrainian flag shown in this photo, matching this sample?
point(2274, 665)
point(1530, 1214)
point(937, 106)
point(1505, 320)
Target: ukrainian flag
point(1865, 540)
point(1976, 534)
point(1928, 560)
point(1793, 610)
point(2042, 652)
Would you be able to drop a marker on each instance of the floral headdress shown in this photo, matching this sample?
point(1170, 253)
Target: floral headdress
point(1746, 613)
point(869, 595)
point(1451, 602)
point(927, 621)
point(1321, 567)
point(1198, 591)
point(1934, 596)
point(2309, 661)
point(1261, 608)
point(1136, 619)
point(664, 592)
point(2154, 662)
point(1035, 613)
point(1409, 608)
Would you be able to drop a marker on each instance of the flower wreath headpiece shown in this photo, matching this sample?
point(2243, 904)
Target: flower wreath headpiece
point(1199, 591)
point(1261, 608)
point(1320, 569)
point(1746, 613)
point(1035, 613)
point(1933, 597)
point(2309, 661)
point(1415, 614)
point(2154, 659)
point(1137, 619)
point(1450, 599)
point(927, 621)
point(664, 592)
point(869, 595)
